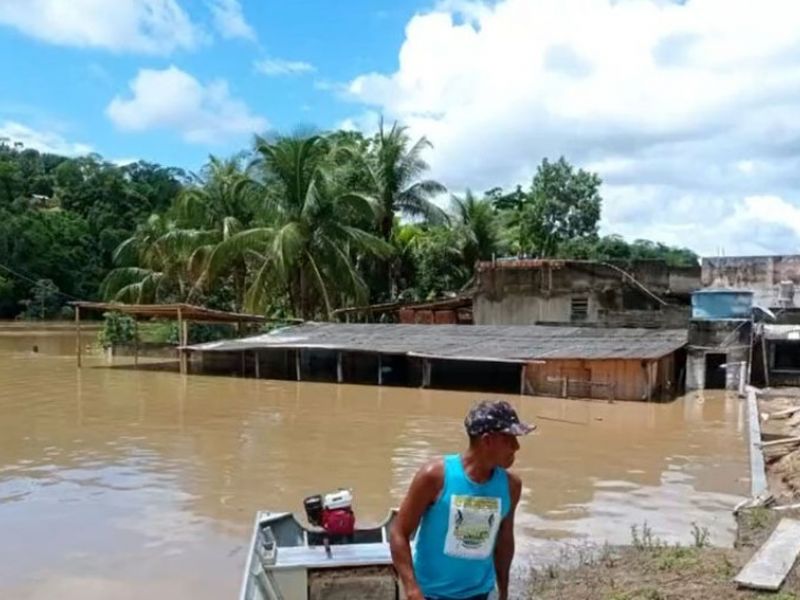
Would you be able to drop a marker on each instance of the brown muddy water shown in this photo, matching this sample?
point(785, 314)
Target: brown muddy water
point(121, 483)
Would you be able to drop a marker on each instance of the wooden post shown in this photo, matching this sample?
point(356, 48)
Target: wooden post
point(380, 369)
point(78, 334)
point(297, 363)
point(181, 343)
point(764, 358)
point(135, 342)
point(426, 373)
point(523, 372)
point(649, 382)
point(339, 370)
point(257, 368)
point(564, 386)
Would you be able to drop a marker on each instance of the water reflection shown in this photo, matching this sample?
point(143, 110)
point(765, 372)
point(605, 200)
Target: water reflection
point(123, 483)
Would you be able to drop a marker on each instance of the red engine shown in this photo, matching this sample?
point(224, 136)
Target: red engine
point(339, 521)
point(333, 512)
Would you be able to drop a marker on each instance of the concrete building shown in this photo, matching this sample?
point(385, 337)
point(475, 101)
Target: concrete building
point(774, 280)
point(636, 294)
point(777, 356)
point(720, 340)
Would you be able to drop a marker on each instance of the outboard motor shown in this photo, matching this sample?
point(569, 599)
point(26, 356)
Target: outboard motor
point(333, 512)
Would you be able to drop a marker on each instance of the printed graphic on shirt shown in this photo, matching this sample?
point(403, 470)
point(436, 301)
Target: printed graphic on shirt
point(473, 525)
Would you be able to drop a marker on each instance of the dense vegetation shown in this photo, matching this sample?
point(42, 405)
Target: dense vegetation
point(296, 226)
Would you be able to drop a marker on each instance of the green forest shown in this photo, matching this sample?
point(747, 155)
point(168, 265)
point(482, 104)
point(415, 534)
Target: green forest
point(295, 226)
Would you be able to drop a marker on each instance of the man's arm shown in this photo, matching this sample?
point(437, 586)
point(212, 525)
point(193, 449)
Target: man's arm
point(424, 490)
point(504, 549)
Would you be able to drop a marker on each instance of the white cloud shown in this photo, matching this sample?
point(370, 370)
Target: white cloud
point(148, 26)
point(688, 111)
point(229, 19)
point(279, 66)
point(12, 132)
point(123, 162)
point(173, 99)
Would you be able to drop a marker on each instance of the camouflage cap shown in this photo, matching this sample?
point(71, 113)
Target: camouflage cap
point(495, 416)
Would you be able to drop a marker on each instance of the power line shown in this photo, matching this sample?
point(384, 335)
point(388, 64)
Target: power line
point(34, 281)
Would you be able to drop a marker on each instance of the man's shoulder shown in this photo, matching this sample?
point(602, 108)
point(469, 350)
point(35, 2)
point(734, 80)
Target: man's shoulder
point(514, 479)
point(432, 471)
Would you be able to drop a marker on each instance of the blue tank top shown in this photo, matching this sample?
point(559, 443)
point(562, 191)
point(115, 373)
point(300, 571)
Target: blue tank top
point(454, 547)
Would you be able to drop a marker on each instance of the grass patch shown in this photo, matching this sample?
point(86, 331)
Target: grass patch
point(757, 518)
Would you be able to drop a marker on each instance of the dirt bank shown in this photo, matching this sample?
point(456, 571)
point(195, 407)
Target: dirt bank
point(648, 569)
point(780, 420)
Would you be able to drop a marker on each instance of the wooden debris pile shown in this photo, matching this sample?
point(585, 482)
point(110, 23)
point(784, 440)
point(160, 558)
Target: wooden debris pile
point(780, 431)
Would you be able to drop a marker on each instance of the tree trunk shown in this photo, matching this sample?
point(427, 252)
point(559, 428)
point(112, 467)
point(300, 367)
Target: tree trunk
point(239, 276)
point(386, 272)
point(303, 295)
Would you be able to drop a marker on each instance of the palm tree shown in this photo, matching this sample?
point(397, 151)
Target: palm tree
point(219, 193)
point(395, 167)
point(477, 222)
point(393, 171)
point(158, 263)
point(221, 201)
point(311, 230)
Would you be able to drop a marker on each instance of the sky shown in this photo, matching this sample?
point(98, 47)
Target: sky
point(687, 110)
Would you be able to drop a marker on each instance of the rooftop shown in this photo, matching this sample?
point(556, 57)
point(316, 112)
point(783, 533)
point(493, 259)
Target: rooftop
point(188, 312)
point(499, 343)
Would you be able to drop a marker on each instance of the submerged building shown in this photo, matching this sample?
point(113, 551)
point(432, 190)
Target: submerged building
point(720, 339)
point(608, 363)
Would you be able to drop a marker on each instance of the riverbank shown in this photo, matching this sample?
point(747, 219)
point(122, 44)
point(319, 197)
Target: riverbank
point(650, 569)
point(780, 433)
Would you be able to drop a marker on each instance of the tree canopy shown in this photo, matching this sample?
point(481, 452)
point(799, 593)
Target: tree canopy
point(294, 226)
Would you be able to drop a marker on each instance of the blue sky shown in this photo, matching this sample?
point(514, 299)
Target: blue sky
point(65, 88)
point(686, 109)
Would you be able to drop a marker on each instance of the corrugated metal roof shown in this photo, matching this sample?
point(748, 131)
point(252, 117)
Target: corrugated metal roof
point(171, 311)
point(468, 342)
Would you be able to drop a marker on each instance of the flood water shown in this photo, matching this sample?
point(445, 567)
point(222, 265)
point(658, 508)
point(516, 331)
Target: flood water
point(121, 483)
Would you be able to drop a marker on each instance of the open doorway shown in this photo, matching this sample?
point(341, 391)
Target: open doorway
point(715, 374)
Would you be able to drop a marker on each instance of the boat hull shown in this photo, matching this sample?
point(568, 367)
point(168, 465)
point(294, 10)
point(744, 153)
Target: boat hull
point(289, 561)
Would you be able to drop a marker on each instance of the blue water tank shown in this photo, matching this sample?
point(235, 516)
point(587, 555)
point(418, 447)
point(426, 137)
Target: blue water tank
point(722, 304)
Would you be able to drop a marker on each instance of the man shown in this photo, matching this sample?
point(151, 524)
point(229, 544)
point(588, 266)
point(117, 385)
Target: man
point(462, 508)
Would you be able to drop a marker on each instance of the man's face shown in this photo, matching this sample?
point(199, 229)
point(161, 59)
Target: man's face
point(502, 448)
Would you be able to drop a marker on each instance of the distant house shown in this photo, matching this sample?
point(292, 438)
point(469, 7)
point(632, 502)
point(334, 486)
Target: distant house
point(774, 280)
point(772, 339)
point(647, 293)
point(720, 339)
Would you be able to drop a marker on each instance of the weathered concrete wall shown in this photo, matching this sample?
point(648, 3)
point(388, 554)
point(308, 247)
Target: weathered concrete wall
point(718, 334)
point(762, 274)
point(669, 317)
point(522, 310)
point(695, 370)
point(683, 280)
point(731, 338)
point(529, 291)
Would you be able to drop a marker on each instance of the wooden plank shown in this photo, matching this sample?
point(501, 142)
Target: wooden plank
point(78, 334)
point(770, 565)
point(781, 442)
point(135, 342)
point(781, 414)
point(758, 470)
